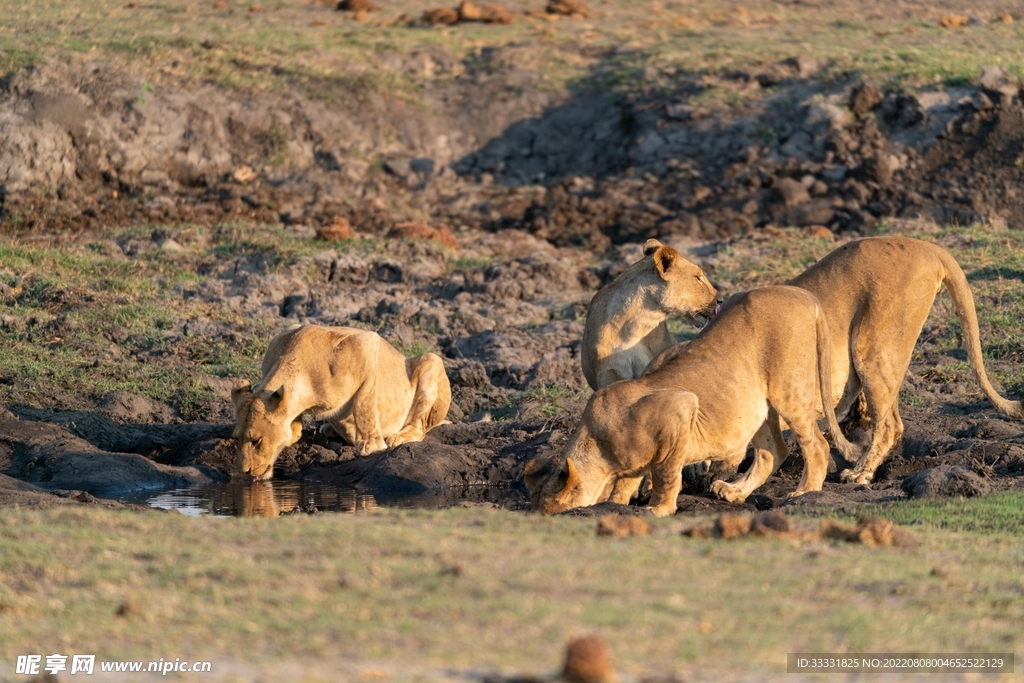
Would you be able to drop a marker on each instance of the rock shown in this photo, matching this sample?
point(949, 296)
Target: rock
point(945, 481)
point(620, 526)
point(770, 522)
point(414, 230)
point(791, 192)
point(244, 174)
point(441, 15)
point(170, 245)
point(807, 66)
point(834, 174)
point(864, 98)
point(338, 229)
point(357, 6)
point(730, 526)
point(837, 118)
point(402, 166)
point(422, 165)
point(880, 168)
point(871, 531)
point(997, 82)
point(587, 660)
point(487, 13)
point(572, 8)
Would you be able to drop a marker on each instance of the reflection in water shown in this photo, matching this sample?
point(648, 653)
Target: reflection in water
point(261, 499)
point(238, 498)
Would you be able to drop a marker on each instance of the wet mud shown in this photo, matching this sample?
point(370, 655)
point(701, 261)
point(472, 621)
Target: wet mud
point(539, 227)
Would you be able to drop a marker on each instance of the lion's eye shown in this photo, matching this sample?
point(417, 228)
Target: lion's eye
point(256, 442)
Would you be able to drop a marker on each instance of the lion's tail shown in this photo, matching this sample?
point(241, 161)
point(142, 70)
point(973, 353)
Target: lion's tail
point(850, 452)
point(963, 300)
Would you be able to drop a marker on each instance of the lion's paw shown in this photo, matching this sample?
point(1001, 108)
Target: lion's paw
point(664, 510)
point(728, 492)
point(853, 476)
point(370, 446)
point(394, 440)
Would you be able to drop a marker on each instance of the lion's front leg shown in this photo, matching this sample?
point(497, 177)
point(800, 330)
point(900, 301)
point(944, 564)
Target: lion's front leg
point(365, 420)
point(625, 489)
point(431, 399)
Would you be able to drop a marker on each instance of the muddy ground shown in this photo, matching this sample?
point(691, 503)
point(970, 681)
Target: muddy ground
point(508, 326)
point(543, 211)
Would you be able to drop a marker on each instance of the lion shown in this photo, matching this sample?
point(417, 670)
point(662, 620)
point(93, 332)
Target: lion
point(765, 356)
point(626, 327)
point(368, 392)
point(626, 318)
point(876, 293)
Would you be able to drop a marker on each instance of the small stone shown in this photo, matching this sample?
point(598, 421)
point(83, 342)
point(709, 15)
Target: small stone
point(570, 8)
point(953, 21)
point(864, 98)
point(170, 245)
point(587, 660)
point(621, 526)
point(791, 192)
point(442, 15)
point(807, 66)
point(730, 526)
point(338, 229)
point(244, 174)
point(414, 230)
point(357, 6)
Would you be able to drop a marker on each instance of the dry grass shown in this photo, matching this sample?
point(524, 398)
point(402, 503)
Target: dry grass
point(489, 590)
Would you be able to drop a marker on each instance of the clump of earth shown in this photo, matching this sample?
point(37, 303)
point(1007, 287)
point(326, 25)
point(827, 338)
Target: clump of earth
point(544, 212)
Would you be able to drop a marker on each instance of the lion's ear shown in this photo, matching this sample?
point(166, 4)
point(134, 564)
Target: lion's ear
point(665, 258)
point(651, 246)
point(239, 390)
point(570, 473)
point(535, 472)
point(275, 398)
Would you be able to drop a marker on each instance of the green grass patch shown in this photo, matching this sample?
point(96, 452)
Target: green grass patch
point(999, 514)
point(489, 590)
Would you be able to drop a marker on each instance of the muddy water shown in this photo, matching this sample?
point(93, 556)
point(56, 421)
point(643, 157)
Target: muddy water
point(274, 498)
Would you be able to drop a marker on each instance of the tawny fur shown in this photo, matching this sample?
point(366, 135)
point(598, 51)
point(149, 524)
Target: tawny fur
point(876, 293)
point(626, 319)
point(626, 322)
point(765, 356)
point(371, 395)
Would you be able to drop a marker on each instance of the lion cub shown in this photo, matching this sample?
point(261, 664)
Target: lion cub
point(626, 318)
point(372, 395)
point(766, 353)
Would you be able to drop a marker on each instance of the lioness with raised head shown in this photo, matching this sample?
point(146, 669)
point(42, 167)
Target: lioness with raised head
point(372, 395)
point(876, 293)
point(765, 356)
point(626, 318)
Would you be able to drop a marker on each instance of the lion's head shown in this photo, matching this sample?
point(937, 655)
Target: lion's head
point(262, 429)
point(684, 289)
point(555, 483)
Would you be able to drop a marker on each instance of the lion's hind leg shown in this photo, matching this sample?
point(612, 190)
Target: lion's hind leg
point(668, 417)
point(814, 448)
point(766, 460)
point(432, 396)
point(881, 383)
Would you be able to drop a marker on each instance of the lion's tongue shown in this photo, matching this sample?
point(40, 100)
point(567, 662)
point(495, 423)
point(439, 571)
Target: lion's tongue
point(718, 307)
